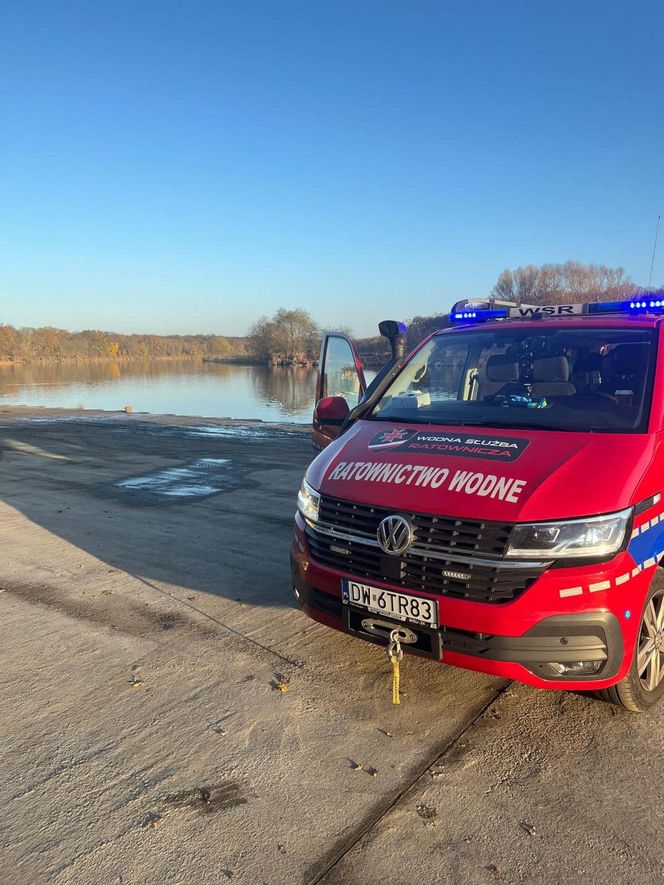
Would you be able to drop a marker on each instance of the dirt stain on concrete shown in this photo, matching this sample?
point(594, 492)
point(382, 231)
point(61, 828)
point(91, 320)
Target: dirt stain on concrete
point(115, 612)
point(210, 799)
point(167, 620)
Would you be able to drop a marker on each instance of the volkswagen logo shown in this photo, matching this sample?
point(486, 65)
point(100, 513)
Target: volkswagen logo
point(395, 535)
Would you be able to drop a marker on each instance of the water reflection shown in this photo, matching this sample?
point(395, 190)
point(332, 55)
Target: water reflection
point(164, 386)
point(292, 389)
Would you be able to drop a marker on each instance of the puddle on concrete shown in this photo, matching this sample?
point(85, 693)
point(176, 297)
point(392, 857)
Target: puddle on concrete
point(189, 482)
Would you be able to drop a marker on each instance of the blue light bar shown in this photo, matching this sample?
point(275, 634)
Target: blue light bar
point(467, 312)
point(458, 317)
point(640, 304)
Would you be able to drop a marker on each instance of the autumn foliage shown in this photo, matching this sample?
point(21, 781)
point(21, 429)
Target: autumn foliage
point(57, 344)
point(289, 337)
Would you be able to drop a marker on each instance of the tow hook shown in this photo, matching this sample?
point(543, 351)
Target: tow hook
point(385, 629)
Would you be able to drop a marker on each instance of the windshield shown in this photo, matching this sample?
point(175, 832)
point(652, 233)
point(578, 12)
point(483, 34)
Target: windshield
point(557, 379)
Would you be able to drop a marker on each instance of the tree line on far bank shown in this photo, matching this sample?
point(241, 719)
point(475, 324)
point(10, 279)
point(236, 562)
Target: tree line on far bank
point(292, 337)
point(57, 344)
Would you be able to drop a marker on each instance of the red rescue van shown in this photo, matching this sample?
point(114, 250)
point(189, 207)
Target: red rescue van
point(496, 496)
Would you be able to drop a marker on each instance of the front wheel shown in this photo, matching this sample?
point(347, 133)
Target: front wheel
point(644, 684)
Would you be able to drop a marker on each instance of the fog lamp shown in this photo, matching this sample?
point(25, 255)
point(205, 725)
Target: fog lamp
point(576, 668)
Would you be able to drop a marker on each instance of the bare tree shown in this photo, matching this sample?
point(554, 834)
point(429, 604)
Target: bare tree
point(563, 283)
point(517, 285)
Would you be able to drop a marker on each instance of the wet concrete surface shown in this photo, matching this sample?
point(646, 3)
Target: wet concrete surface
point(146, 630)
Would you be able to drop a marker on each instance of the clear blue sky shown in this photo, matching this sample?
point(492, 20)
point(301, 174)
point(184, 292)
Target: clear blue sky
point(187, 166)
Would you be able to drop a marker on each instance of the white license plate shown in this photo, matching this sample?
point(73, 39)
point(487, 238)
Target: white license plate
point(401, 606)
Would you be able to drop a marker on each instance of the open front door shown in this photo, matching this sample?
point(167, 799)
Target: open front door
point(340, 387)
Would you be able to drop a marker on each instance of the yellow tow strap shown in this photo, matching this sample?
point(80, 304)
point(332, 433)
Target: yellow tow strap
point(395, 680)
point(394, 655)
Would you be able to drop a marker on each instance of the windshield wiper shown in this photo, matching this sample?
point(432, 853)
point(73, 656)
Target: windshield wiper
point(443, 422)
point(484, 422)
point(525, 425)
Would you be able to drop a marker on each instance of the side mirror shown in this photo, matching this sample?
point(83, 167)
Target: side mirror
point(331, 410)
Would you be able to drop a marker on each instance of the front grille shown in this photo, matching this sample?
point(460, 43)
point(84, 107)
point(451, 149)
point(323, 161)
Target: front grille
point(435, 533)
point(443, 536)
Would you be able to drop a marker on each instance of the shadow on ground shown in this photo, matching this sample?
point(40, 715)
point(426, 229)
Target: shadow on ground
point(208, 508)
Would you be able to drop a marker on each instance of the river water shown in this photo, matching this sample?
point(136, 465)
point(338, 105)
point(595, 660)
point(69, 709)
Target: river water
point(164, 387)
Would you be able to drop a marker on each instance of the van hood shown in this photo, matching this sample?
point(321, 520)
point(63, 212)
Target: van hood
point(480, 473)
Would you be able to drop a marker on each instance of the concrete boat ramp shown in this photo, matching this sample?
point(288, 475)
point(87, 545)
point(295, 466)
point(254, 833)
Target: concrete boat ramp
point(170, 716)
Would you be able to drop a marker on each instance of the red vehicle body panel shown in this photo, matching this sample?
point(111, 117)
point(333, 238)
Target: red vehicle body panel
point(557, 472)
point(556, 475)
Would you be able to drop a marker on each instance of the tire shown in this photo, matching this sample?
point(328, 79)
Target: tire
point(644, 684)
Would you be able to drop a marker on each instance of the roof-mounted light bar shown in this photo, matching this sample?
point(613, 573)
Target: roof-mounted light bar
point(465, 312)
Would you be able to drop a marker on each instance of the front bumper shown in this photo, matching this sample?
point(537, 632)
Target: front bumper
point(561, 639)
point(587, 636)
point(586, 613)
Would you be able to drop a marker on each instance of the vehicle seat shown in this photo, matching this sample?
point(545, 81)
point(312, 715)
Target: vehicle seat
point(501, 371)
point(551, 377)
point(625, 366)
point(588, 372)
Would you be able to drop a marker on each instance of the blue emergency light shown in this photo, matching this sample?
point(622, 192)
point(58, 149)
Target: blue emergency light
point(642, 304)
point(477, 316)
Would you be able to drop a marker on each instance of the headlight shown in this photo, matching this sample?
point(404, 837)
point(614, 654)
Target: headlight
point(599, 536)
point(308, 501)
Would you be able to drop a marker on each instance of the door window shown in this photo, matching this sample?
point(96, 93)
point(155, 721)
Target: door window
point(340, 374)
